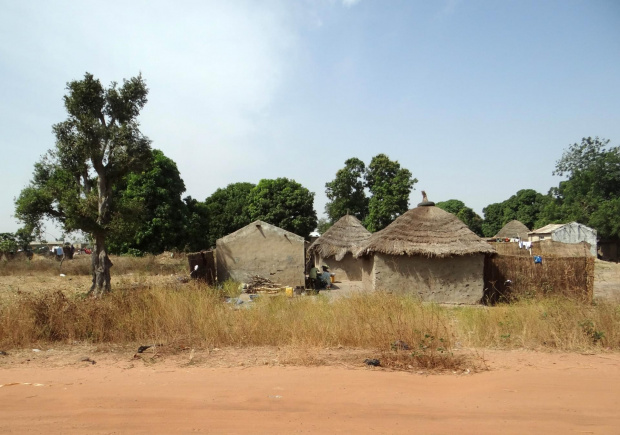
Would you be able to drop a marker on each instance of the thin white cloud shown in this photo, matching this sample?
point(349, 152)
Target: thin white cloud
point(213, 70)
point(350, 3)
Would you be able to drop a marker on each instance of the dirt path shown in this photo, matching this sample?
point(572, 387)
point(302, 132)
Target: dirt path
point(523, 392)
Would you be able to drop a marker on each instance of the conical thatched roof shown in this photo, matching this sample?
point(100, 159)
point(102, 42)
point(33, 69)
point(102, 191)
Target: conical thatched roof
point(426, 230)
point(341, 238)
point(513, 230)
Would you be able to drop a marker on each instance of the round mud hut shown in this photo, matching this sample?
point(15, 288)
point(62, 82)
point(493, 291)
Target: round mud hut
point(513, 230)
point(337, 246)
point(429, 252)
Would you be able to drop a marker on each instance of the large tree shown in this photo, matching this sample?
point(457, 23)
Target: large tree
point(346, 192)
point(591, 193)
point(464, 213)
point(160, 225)
point(284, 203)
point(96, 147)
point(390, 186)
point(227, 210)
point(197, 224)
point(525, 206)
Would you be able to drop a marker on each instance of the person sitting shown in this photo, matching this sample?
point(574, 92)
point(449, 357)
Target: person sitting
point(326, 279)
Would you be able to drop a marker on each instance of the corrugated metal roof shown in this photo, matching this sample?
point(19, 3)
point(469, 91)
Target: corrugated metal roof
point(547, 229)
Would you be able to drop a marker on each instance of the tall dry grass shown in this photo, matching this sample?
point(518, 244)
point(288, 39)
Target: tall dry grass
point(555, 323)
point(81, 265)
point(198, 316)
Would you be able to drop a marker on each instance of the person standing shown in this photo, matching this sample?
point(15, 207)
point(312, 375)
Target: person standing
point(312, 276)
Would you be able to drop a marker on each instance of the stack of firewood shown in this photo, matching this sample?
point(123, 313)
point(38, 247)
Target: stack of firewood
point(258, 283)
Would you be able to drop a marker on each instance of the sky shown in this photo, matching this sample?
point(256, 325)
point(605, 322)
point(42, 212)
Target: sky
point(478, 99)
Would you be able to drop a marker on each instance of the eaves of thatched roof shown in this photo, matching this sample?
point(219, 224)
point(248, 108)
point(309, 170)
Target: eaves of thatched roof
point(427, 231)
point(344, 237)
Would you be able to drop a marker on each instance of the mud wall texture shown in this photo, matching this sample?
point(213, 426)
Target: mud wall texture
point(347, 269)
point(451, 280)
point(261, 249)
point(368, 273)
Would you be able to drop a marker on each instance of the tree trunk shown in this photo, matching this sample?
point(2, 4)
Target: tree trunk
point(100, 262)
point(101, 265)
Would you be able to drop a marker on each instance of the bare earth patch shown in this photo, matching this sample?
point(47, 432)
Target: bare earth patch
point(264, 391)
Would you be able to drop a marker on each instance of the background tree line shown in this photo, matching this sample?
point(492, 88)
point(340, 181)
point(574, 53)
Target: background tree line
point(103, 177)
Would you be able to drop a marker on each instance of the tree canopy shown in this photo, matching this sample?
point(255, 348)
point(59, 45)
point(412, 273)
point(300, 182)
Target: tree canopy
point(96, 147)
point(390, 186)
point(197, 225)
point(284, 203)
point(346, 192)
point(591, 193)
point(467, 215)
point(525, 206)
point(8, 243)
point(156, 192)
point(227, 210)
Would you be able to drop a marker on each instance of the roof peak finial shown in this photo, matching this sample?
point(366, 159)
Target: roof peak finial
point(425, 202)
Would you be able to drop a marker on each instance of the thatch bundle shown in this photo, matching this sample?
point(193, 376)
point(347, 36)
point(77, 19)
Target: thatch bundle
point(344, 237)
point(513, 230)
point(428, 231)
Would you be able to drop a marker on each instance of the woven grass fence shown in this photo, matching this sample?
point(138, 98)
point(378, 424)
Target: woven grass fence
point(507, 278)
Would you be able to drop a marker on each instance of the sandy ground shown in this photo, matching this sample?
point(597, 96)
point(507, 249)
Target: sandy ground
point(522, 392)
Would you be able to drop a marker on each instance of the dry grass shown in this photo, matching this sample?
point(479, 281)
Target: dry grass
point(550, 323)
point(80, 265)
point(404, 332)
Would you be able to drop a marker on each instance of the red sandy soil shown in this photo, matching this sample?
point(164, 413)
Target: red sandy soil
point(522, 392)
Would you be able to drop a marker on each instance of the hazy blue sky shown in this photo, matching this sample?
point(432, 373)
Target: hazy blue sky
point(478, 99)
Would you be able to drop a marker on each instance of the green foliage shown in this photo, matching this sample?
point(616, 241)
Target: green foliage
point(453, 206)
point(346, 192)
point(227, 210)
point(590, 331)
point(464, 213)
point(284, 203)
point(197, 225)
point(7, 243)
point(390, 186)
point(160, 224)
point(591, 194)
point(525, 206)
point(96, 147)
point(323, 225)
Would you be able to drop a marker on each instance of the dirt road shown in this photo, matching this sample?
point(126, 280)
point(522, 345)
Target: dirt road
point(523, 392)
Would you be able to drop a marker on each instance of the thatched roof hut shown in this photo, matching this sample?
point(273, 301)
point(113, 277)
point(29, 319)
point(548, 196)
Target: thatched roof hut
point(426, 231)
point(344, 237)
point(337, 246)
point(513, 230)
point(428, 252)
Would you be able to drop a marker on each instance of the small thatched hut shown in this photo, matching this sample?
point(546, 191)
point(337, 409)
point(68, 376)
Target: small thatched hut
point(337, 246)
point(513, 230)
point(429, 252)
